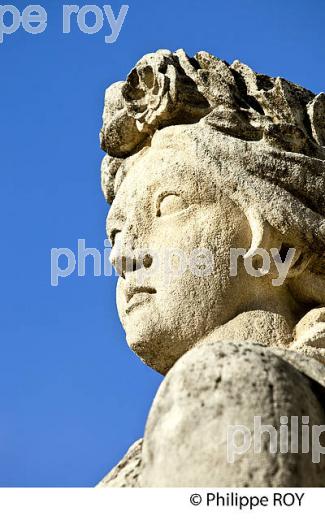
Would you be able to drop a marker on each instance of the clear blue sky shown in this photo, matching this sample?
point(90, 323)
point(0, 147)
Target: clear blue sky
point(72, 395)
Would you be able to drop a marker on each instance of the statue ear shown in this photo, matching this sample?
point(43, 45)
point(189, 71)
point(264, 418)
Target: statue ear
point(264, 236)
point(300, 260)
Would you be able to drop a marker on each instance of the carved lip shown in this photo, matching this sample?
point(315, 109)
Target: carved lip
point(137, 296)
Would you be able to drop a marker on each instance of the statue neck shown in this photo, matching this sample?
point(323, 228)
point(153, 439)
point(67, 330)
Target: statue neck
point(259, 326)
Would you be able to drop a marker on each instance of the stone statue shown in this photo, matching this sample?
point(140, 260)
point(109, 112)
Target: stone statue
point(223, 169)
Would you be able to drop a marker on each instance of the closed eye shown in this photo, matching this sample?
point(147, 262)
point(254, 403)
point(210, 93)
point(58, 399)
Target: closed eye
point(169, 203)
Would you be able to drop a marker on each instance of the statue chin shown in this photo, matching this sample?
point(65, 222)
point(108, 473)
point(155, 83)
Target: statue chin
point(161, 353)
point(216, 179)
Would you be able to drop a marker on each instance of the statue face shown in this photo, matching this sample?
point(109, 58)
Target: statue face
point(168, 213)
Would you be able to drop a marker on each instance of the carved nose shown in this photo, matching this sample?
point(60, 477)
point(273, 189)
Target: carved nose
point(125, 261)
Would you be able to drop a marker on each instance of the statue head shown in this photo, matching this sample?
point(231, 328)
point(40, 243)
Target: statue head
point(209, 165)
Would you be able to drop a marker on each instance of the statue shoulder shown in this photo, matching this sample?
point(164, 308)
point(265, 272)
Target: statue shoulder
point(211, 389)
point(126, 472)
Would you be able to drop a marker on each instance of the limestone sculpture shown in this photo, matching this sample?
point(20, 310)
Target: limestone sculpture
point(216, 179)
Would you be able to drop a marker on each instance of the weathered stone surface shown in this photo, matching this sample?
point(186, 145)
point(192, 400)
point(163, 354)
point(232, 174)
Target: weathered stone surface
point(311, 368)
point(207, 158)
point(126, 473)
point(210, 388)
